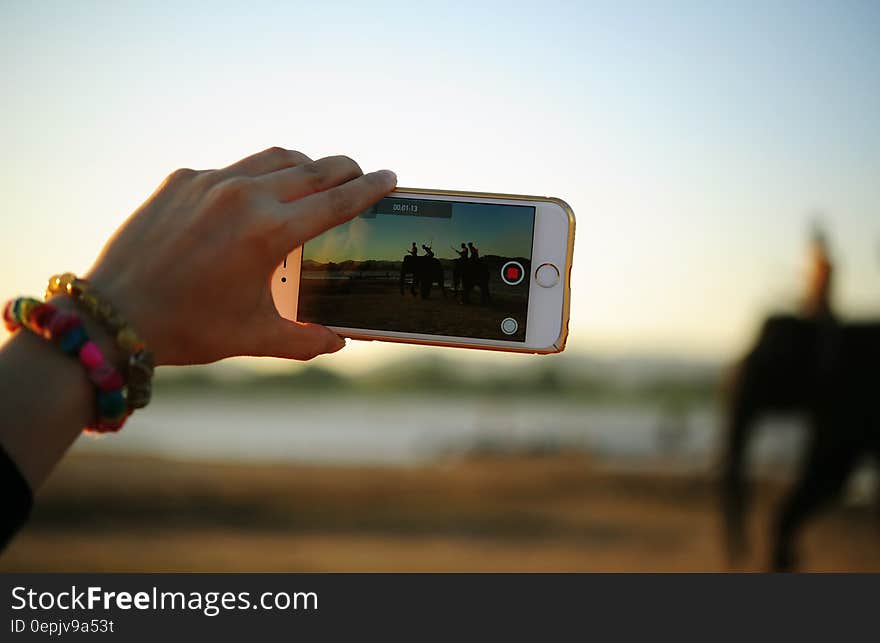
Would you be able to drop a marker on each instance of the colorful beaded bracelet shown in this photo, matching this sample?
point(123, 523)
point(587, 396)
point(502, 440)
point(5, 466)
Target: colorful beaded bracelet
point(139, 360)
point(65, 329)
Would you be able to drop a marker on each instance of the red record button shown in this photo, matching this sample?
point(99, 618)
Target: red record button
point(512, 273)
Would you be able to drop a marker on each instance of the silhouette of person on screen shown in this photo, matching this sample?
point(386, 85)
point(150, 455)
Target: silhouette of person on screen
point(475, 252)
point(428, 251)
point(414, 251)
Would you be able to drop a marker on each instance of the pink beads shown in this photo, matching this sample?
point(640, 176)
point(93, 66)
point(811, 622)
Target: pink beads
point(105, 377)
point(90, 355)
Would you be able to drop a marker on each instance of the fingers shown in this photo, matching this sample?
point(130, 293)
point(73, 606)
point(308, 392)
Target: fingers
point(307, 178)
point(310, 216)
point(270, 160)
point(295, 340)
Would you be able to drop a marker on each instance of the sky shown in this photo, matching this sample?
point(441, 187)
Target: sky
point(494, 230)
point(695, 141)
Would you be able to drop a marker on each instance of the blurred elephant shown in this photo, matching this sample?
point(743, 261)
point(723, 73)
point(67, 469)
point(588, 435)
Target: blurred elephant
point(829, 372)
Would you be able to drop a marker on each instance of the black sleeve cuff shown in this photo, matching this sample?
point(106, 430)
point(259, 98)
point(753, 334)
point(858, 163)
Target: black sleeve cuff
point(17, 499)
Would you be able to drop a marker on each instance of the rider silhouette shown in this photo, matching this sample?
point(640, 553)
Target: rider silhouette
point(428, 250)
point(475, 252)
point(463, 253)
point(414, 251)
point(817, 302)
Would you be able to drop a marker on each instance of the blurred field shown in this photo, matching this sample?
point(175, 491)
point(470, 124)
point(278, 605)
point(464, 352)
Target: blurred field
point(554, 513)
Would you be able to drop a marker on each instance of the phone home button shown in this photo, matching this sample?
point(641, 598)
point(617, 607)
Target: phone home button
point(547, 275)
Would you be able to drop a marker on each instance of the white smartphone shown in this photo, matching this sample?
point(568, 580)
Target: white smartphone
point(441, 268)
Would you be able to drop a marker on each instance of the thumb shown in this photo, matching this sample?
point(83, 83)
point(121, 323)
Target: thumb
point(300, 341)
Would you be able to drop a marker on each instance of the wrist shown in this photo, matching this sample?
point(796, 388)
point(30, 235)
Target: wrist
point(129, 346)
point(138, 311)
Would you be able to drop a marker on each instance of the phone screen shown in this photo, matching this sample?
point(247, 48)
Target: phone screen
point(423, 266)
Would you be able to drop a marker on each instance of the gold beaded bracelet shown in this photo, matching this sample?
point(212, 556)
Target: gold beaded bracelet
point(139, 360)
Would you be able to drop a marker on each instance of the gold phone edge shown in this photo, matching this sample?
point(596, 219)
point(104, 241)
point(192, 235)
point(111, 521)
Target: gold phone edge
point(559, 345)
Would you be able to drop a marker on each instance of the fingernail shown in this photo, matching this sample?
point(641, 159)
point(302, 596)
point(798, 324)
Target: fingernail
point(340, 344)
point(392, 177)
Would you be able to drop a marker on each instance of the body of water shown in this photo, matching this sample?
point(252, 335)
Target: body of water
point(404, 430)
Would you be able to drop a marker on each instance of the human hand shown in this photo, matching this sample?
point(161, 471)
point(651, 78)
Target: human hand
point(191, 268)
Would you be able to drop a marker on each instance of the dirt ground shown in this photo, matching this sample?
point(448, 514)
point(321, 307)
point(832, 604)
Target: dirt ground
point(556, 513)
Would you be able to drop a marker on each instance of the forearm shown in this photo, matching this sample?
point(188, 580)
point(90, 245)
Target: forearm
point(47, 398)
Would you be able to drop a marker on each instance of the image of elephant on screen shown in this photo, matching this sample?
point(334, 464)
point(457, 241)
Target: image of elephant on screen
point(426, 272)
